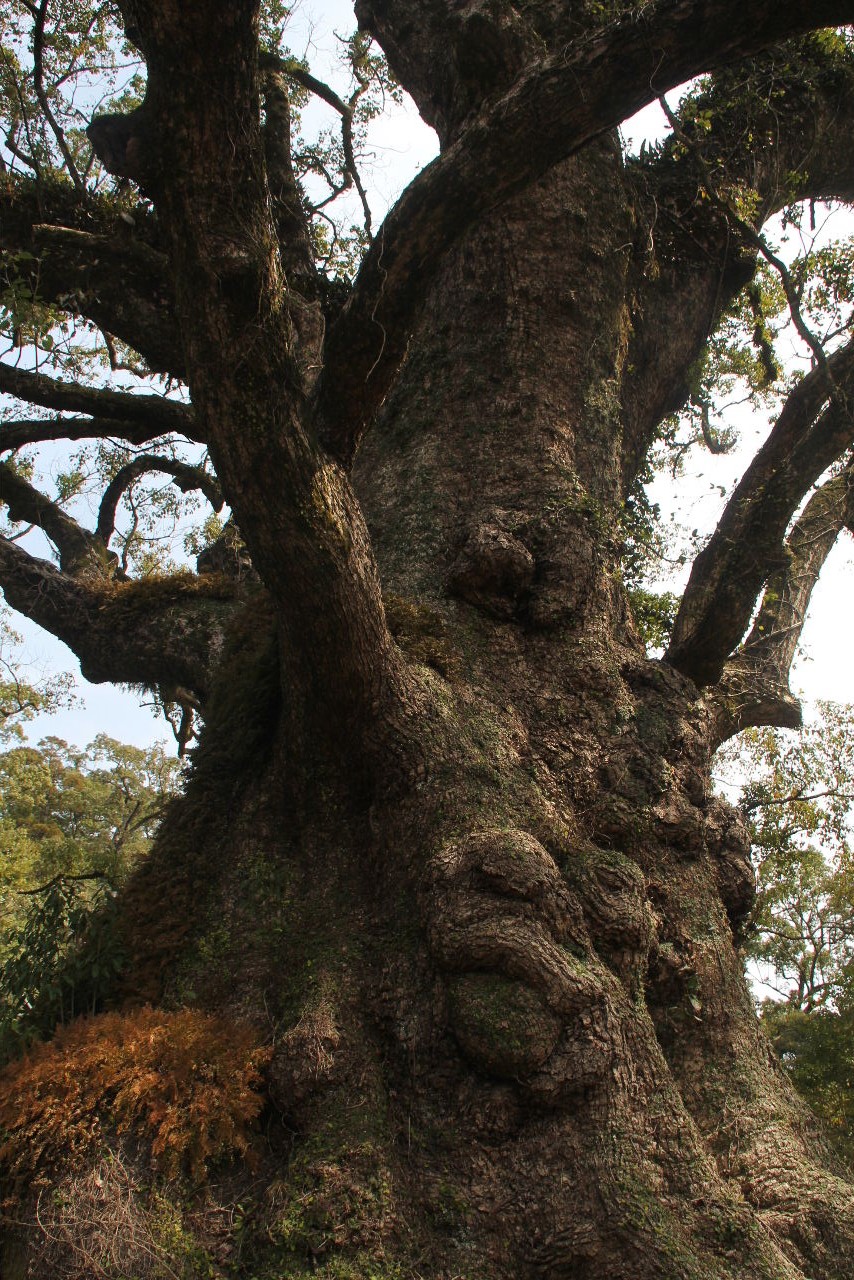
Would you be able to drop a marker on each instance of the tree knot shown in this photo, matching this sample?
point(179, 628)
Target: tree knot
point(493, 570)
point(524, 1000)
point(121, 142)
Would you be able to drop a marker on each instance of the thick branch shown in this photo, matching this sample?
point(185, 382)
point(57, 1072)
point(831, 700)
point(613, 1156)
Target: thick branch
point(185, 476)
point(80, 552)
point(456, 55)
point(779, 126)
point(19, 432)
point(155, 414)
point(747, 544)
point(88, 261)
point(557, 105)
point(296, 510)
point(292, 224)
point(754, 689)
point(158, 632)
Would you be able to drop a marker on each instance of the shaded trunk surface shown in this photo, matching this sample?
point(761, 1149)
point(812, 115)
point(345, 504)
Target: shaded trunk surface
point(512, 1037)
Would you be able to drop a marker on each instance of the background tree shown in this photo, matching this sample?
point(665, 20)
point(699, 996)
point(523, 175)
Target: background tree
point(817, 1050)
point(73, 824)
point(798, 801)
point(798, 805)
point(449, 846)
point(21, 700)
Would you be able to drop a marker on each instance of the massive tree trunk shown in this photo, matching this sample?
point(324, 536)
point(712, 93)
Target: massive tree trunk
point(450, 843)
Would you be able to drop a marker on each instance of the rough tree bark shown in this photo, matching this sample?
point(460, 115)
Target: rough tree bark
point(449, 839)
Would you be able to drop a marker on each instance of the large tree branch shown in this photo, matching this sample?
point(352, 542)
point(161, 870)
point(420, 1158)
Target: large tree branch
point(552, 109)
point(85, 259)
point(185, 476)
point(18, 432)
point(158, 632)
point(754, 688)
point(292, 224)
point(291, 220)
point(457, 55)
point(747, 544)
point(780, 128)
point(80, 552)
point(155, 414)
point(296, 511)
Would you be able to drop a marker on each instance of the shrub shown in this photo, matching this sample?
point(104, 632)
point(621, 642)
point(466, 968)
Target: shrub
point(185, 1082)
point(60, 961)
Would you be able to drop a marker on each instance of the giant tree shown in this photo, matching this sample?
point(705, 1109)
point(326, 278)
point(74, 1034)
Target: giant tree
point(449, 846)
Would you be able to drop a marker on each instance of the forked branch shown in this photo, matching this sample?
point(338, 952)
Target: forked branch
point(80, 552)
point(186, 477)
point(296, 511)
point(754, 689)
point(562, 101)
point(159, 632)
point(153, 413)
point(747, 545)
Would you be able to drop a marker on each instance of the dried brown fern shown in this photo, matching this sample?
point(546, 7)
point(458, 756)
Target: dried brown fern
point(185, 1082)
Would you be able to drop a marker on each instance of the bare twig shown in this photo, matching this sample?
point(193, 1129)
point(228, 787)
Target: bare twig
point(186, 477)
point(38, 83)
point(796, 796)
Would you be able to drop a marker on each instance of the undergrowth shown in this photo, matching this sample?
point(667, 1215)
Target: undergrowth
point(184, 1082)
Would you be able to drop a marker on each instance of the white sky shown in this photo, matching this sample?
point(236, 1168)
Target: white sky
point(399, 145)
